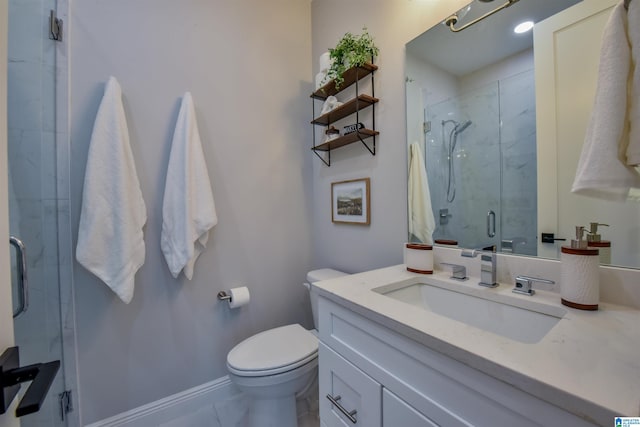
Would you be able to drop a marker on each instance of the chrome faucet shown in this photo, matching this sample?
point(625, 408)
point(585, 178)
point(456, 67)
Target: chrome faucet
point(458, 272)
point(524, 284)
point(488, 267)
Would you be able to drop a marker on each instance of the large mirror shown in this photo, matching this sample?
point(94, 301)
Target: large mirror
point(500, 125)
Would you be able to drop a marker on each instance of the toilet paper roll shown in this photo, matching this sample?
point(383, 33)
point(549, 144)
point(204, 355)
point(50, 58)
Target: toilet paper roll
point(239, 297)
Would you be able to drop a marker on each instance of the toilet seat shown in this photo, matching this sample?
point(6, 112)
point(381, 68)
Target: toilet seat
point(273, 352)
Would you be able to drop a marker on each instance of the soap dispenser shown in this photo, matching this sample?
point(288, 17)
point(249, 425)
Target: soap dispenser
point(580, 274)
point(594, 241)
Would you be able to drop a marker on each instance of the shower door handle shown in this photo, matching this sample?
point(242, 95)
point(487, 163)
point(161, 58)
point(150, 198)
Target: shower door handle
point(491, 223)
point(23, 282)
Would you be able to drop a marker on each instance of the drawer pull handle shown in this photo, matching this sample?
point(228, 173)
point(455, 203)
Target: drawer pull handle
point(350, 415)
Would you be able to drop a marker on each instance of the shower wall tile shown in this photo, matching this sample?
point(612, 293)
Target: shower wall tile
point(28, 227)
point(50, 233)
point(519, 167)
point(25, 163)
point(25, 30)
point(30, 329)
point(478, 176)
point(48, 165)
point(62, 165)
point(24, 95)
point(436, 159)
point(64, 234)
point(476, 159)
point(48, 91)
point(501, 139)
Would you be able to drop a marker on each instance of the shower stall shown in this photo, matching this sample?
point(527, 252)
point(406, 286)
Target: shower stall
point(39, 202)
point(481, 170)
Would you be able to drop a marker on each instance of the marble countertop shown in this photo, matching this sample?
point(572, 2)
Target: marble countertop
point(587, 364)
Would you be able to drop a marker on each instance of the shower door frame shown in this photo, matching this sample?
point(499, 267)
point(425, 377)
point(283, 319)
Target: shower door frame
point(62, 215)
point(6, 320)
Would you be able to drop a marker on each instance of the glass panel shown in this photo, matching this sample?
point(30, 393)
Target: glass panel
point(33, 203)
point(519, 170)
point(462, 157)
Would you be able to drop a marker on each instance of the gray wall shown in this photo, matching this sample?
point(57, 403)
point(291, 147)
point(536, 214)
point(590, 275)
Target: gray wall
point(392, 23)
point(247, 64)
point(250, 78)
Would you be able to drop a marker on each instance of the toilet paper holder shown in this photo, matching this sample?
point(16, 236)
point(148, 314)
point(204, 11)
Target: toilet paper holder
point(235, 297)
point(223, 296)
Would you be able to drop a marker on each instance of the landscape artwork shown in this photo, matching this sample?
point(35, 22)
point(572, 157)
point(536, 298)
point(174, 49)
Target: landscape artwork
point(350, 201)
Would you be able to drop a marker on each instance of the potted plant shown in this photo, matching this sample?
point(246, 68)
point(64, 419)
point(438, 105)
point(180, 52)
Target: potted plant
point(351, 51)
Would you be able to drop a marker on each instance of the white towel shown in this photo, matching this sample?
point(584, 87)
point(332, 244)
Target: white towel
point(633, 30)
point(421, 220)
point(188, 209)
point(604, 169)
point(110, 237)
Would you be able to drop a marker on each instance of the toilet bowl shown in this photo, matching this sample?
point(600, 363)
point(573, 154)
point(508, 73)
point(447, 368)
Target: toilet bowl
point(273, 366)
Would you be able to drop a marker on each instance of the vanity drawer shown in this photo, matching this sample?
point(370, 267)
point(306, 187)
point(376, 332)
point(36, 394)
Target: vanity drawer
point(395, 412)
point(355, 392)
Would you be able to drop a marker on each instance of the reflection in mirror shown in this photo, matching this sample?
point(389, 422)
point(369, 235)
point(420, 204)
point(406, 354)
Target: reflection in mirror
point(471, 109)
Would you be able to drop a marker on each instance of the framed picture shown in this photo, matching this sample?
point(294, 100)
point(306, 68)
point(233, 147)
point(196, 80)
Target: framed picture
point(350, 202)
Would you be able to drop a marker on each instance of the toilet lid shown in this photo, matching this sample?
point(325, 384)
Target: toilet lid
point(272, 352)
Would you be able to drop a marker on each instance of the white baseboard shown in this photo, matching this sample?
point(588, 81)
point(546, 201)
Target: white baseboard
point(172, 407)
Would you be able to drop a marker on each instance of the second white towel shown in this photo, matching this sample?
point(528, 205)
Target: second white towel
point(633, 31)
point(421, 220)
point(605, 168)
point(188, 208)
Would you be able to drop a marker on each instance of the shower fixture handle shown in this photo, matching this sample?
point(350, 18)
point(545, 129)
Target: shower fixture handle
point(524, 284)
point(491, 223)
point(23, 282)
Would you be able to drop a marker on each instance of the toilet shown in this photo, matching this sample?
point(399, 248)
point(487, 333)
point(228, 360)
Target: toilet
point(273, 366)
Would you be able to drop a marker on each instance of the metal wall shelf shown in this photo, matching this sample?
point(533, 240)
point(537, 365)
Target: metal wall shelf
point(346, 109)
point(353, 106)
point(350, 77)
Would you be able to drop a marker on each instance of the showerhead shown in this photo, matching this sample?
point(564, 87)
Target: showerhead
point(460, 127)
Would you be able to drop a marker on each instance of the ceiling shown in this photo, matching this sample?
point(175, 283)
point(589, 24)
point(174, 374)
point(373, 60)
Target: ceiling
point(485, 42)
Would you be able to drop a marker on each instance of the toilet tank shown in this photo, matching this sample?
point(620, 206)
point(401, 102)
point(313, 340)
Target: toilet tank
point(317, 276)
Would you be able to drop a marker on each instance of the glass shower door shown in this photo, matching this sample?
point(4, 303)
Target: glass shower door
point(463, 161)
point(33, 200)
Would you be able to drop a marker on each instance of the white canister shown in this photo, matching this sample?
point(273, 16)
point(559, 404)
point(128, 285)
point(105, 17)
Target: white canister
point(325, 62)
point(580, 278)
point(418, 257)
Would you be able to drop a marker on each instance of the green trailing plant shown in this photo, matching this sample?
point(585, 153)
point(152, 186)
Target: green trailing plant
point(351, 51)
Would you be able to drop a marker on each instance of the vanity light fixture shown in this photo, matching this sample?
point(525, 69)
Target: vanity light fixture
point(453, 19)
point(523, 27)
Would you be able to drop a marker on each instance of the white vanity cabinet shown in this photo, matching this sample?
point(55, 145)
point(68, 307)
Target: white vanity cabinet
point(391, 380)
point(358, 395)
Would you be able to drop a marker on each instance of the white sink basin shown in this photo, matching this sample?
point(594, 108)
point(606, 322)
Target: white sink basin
point(526, 321)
